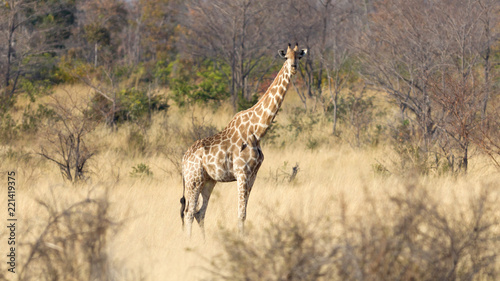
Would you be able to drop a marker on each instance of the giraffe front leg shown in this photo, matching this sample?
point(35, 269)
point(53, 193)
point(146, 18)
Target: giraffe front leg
point(244, 188)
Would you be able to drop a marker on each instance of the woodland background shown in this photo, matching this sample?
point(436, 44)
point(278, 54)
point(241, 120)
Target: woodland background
point(390, 135)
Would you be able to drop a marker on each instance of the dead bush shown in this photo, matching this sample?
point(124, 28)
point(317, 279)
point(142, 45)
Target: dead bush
point(283, 174)
point(421, 240)
point(286, 250)
point(72, 244)
point(408, 236)
point(63, 138)
point(199, 129)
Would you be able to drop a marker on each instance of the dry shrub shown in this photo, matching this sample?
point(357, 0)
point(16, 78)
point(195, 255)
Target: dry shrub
point(283, 174)
point(72, 246)
point(137, 142)
point(199, 129)
point(63, 138)
point(421, 240)
point(184, 138)
point(408, 236)
point(287, 250)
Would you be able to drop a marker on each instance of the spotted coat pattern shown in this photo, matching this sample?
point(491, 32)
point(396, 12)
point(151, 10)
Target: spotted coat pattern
point(235, 153)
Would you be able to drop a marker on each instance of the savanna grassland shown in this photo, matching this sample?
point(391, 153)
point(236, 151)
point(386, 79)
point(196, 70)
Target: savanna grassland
point(348, 213)
point(382, 164)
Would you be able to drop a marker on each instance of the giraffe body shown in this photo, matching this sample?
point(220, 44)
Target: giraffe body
point(233, 154)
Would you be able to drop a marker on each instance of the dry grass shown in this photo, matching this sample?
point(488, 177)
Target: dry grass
point(334, 183)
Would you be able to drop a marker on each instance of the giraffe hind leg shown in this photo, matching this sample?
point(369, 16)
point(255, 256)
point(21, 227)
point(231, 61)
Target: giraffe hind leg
point(205, 194)
point(193, 193)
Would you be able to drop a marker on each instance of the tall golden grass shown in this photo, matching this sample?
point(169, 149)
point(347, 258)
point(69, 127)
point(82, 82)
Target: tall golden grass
point(145, 240)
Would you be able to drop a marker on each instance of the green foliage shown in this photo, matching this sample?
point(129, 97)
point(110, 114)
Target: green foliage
point(35, 88)
point(181, 88)
point(70, 69)
point(213, 86)
point(94, 33)
point(208, 86)
point(45, 27)
point(162, 71)
point(121, 72)
point(301, 121)
point(358, 112)
point(350, 107)
point(244, 104)
point(141, 170)
point(131, 105)
point(32, 119)
point(273, 134)
point(45, 70)
point(8, 128)
point(380, 169)
point(312, 143)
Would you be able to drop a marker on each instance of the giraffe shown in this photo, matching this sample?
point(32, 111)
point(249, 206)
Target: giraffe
point(234, 154)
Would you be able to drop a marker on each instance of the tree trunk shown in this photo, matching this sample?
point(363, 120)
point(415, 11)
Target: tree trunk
point(486, 79)
point(465, 157)
point(233, 87)
point(334, 115)
point(95, 54)
point(10, 51)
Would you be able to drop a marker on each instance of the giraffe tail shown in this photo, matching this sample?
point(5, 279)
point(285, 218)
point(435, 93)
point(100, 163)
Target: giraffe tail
point(183, 201)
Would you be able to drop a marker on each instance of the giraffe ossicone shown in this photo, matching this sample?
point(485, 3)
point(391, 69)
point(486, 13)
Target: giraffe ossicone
point(234, 154)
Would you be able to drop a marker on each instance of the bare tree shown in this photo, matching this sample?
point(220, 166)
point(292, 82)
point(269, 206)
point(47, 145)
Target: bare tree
point(461, 103)
point(64, 138)
point(490, 29)
point(234, 33)
point(325, 27)
point(99, 25)
point(425, 55)
point(27, 36)
point(401, 51)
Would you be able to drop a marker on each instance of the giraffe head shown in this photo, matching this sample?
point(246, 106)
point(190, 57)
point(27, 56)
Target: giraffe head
point(293, 56)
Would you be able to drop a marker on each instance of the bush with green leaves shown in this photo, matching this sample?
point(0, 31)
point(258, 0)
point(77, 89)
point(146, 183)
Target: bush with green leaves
point(8, 128)
point(131, 104)
point(162, 70)
point(141, 170)
point(209, 85)
point(33, 118)
point(301, 121)
point(358, 112)
point(244, 104)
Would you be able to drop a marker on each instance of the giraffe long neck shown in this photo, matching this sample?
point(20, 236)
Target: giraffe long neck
point(267, 107)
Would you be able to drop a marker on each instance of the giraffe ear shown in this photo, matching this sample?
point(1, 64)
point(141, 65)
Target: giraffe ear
point(302, 53)
point(282, 53)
